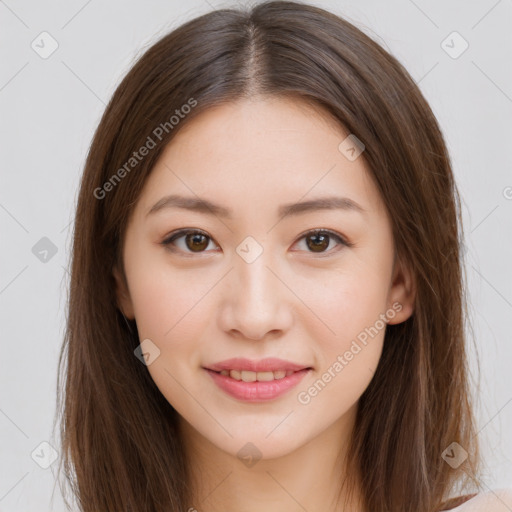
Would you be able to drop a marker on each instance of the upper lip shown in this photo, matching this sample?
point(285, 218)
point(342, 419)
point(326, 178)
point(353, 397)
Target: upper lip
point(269, 364)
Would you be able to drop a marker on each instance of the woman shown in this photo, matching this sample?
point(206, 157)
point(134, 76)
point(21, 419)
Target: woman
point(266, 306)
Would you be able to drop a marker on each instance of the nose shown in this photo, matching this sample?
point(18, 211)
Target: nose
point(256, 303)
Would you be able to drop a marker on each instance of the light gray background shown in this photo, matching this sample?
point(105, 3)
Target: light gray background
point(50, 108)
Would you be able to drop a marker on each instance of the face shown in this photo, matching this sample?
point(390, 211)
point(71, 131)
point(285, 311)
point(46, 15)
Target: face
point(240, 279)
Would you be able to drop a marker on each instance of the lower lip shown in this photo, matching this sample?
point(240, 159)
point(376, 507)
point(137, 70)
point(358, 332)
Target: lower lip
point(257, 391)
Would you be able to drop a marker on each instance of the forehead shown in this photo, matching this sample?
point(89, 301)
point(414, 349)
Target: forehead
point(261, 151)
point(268, 120)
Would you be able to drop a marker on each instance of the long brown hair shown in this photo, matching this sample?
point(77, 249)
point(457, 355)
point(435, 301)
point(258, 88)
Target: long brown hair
point(121, 446)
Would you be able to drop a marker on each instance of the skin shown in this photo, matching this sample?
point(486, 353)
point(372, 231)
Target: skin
point(291, 302)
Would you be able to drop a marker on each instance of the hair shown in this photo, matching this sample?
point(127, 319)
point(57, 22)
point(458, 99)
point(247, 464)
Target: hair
point(121, 444)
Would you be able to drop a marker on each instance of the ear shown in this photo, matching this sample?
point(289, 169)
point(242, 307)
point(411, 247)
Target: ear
point(124, 302)
point(402, 291)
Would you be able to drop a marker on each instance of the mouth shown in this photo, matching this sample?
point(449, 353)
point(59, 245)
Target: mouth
point(257, 386)
point(250, 376)
point(264, 366)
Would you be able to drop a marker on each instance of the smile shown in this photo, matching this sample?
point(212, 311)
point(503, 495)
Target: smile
point(248, 376)
point(249, 386)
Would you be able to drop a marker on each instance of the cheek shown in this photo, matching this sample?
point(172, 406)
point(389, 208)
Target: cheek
point(170, 310)
point(349, 343)
point(346, 321)
point(166, 302)
point(345, 303)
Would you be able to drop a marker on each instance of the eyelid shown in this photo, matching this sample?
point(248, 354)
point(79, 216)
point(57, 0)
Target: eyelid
point(184, 231)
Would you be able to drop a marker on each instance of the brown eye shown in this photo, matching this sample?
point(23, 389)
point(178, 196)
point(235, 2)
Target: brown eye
point(318, 241)
point(194, 241)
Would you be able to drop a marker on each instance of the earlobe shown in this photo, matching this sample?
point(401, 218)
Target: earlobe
point(124, 302)
point(402, 292)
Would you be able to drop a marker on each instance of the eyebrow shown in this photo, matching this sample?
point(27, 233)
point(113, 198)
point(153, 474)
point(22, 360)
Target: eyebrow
point(207, 207)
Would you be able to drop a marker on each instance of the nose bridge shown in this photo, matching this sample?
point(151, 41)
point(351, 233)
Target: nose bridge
point(258, 302)
point(258, 286)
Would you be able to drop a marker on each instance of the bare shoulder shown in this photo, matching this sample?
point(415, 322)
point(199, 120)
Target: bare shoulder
point(495, 500)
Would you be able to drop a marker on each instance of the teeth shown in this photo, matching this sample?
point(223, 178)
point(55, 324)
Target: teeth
point(248, 376)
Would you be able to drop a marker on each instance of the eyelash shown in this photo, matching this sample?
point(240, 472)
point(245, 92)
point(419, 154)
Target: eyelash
point(178, 234)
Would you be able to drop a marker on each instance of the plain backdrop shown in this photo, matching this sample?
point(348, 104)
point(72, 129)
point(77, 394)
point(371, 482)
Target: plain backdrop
point(51, 104)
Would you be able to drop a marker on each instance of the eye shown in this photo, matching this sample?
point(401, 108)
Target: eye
point(319, 240)
point(195, 241)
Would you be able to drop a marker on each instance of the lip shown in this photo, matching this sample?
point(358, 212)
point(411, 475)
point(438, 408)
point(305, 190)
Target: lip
point(269, 364)
point(257, 391)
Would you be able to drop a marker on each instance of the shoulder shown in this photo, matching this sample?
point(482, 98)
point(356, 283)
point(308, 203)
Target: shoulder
point(495, 500)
